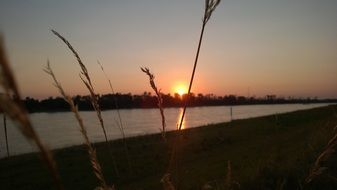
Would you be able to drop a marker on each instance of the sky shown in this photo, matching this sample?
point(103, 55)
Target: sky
point(250, 47)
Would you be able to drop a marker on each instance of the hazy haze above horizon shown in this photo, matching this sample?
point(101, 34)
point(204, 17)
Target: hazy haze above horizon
point(250, 47)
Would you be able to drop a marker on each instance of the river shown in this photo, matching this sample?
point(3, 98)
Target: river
point(60, 129)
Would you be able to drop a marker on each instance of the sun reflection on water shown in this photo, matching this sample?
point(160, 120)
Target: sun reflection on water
point(183, 126)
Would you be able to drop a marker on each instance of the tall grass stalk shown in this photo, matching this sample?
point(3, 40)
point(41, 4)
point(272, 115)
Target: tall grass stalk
point(91, 150)
point(317, 168)
point(166, 181)
point(6, 137)
point(120, 122)
point(84, 75)
point(210, 6)
point(11, 104)
point(228, 181)
point(159, 99)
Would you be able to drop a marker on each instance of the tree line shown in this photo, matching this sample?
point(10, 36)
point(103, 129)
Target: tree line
point(147, 100)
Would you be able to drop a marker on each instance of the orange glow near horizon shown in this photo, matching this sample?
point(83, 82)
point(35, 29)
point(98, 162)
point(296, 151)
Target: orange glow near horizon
point(180, 89)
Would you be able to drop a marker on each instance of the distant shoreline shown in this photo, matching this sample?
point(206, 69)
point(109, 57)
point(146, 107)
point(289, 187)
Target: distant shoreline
point(146, 101)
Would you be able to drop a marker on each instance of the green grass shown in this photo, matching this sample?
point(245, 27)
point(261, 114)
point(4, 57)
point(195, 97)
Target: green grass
point(272, 152)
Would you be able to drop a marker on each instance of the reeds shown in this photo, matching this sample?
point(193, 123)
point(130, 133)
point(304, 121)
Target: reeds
point(84, 75)
point(11, 105)
point(119, 123)
point(91, 150)
point(210, 6)
point(159, 99)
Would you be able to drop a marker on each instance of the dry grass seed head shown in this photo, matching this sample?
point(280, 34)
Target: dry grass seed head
point(72, 49)
point(210, 6)
point(159, 99)
point(87, 82)
point(91, 150)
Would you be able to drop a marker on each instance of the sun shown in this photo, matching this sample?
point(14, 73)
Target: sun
point(181, 90)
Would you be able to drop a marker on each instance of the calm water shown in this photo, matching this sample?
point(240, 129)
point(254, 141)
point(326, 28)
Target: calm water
point(59, 130)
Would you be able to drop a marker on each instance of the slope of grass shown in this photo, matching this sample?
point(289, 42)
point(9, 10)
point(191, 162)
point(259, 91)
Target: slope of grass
point(272, 152)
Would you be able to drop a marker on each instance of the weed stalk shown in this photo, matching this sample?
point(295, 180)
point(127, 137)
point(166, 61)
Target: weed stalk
point(210, 6)
point(91, 150)
point(84, 75)
point(120, 123)
point(5, 128)
point(159, 99)
point(11, 104)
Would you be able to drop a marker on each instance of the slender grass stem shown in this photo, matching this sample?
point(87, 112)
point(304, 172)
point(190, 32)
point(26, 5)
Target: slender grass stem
point(91, 150)
point(159, 99)
point(317, 169)
point(120, 123)
point(5, 127)
point(85, 77)
point(11, 104)
point(210, 6)
point(192, 77)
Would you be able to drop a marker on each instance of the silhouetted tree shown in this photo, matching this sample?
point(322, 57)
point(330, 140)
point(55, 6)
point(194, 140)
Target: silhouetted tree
point(146, 100)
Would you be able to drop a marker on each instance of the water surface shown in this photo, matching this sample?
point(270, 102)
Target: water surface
point(60, 129)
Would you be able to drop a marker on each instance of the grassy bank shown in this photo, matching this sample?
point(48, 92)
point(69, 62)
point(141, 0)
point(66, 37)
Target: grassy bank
point(272, 152)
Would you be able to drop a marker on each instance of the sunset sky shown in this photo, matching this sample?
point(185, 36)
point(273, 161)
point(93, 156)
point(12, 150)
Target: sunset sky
point(250, 47)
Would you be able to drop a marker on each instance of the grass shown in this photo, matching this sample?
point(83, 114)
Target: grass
point(11, 104)
point(265, 153)
point(262, 153)
point(85, 77)
point(210, 6)
point(159, 99)
point(96, 167)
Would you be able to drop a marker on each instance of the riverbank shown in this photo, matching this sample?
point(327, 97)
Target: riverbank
point(146, 100)
point(271, 152)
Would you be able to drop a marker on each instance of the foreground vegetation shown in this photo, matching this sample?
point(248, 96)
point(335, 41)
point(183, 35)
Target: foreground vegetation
point(272, 152)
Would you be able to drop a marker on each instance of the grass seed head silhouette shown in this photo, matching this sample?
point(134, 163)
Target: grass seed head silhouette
point(84, 75)
point(91, 150)
point(159, 99)
point(210, 6)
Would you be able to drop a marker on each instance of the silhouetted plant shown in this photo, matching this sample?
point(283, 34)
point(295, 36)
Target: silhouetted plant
point(11, 104)
point(317, 169)
point(6, 136)
point(120, 122)
point(84, 75)
point(159, 99)
point(210, 6)
point(91, 150)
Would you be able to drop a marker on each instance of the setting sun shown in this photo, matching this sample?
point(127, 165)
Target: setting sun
point(181, 90)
